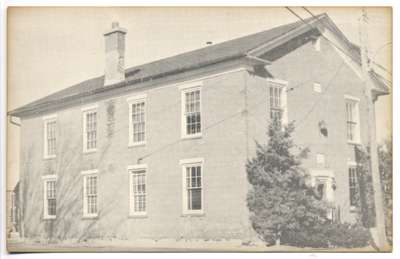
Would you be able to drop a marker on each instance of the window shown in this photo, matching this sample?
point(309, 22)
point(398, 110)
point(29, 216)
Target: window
point(137, 120)
point(192, 186)
point(50, 132)
point(352, 120)
point(317, 88)
point(320, 159)
point(277, 100)
point(137, 176)
point(353, 186)
point(90, 193)
point(90, 129)
point(50, 204)
point(191, 117)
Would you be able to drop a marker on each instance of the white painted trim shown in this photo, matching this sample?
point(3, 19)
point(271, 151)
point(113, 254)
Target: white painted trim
point(48, 178)
point(278, 81)
point(191, 162)
point(184, 135)
point(187, 161)
point(50, 117)
point(191, 84)
point(351, 163)
point(357, 138)
point(349, 61)
point(137, 167)
point(85, 201)
point(131, 169)
point(284, 85)
point(133, 100)
point(84, 135)
point(90, 107)
point(91, 171)
point(46, 120)
point(353, 98)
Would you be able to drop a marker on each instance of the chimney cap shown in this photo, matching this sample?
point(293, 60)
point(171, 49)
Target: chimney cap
point(115, 28)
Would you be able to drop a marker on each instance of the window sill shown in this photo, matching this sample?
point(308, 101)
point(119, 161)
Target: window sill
point(355, 143)
point(353, 209)
point(193, 136)
point(139, 144)
point(90, 217)
point(90, 151)
point(138, 216)
point(49, 217)
point(49, 157)
point(193, 214)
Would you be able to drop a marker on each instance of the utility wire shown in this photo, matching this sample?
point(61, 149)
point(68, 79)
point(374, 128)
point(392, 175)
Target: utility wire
point(338, 47)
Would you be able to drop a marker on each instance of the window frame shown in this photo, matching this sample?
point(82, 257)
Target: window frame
point(135, 100)
point(85, 111)
point(187, 88)
point(283, 86)
point(46, 120)
point(190, 163)
point(85, 175)
point(131, 171)
point(357, 130)
point(352, 166)
point(46, 179)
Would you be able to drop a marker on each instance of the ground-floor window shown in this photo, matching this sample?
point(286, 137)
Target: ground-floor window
point(50, 204)
point(90, 193)
point(137, 176)
point(192, 185)
point(353, 186)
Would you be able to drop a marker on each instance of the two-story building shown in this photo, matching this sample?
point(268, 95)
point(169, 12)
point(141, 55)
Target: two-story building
point(159, 150)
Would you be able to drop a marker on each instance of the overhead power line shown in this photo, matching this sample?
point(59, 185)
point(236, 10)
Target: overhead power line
point(338, 47)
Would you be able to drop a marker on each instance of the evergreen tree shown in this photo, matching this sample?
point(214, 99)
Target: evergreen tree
point(281, 203)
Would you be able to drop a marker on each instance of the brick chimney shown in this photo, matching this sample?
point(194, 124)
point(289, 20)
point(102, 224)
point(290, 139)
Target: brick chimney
point(115, 54)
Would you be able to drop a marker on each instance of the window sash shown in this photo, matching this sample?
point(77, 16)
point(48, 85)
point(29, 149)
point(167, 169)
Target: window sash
point(353, 185)
point(275, 102)
point(91, 130)
point(91, 195)
point(138, 119)
point(51, 137)
point(194, 188)
point(50, 199)
point(192, 112)
point(351, 120)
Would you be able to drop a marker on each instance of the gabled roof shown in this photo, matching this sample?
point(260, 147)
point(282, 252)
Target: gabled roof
point(213, 54)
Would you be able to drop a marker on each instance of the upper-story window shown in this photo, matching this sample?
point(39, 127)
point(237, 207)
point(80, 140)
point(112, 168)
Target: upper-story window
point(49, 198)
point(50, 136)
point(352, 120)
point(90, 193)
point(90, 129)
point(137, 120)
point(192, 185)
point(277, 100)
point(191, 112)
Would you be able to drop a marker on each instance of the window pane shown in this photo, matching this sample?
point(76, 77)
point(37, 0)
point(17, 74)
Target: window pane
point(193, 185)
point(192, 112)
point(139, 190)
point(196, 199)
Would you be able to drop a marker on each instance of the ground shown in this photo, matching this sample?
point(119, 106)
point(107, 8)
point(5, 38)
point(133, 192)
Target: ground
point(166, 245)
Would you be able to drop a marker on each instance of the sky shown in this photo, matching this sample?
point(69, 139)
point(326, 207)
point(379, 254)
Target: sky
point(50, 49)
